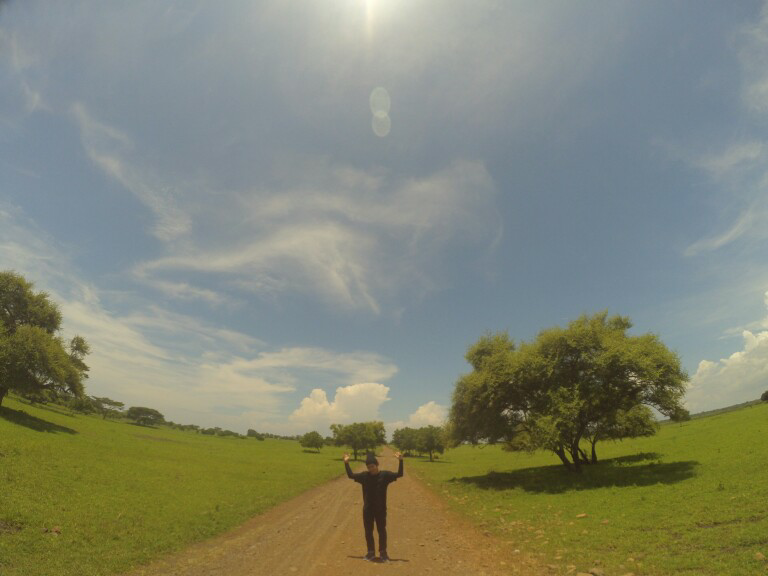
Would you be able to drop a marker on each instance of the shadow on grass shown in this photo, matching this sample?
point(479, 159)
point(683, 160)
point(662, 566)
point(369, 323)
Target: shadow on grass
point(60, 410)
point(23, 419)
point(615, 472)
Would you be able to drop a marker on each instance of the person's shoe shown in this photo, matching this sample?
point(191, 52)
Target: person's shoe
point(384, 557)
point(370, 556)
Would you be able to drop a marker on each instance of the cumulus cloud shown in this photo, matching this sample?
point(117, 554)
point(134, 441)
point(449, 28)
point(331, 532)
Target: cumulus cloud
point(738, 378)
point(353, 403)
point(429, 414)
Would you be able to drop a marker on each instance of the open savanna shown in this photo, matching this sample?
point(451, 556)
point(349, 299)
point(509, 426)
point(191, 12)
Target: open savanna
point(692, 500)
point(84, 496)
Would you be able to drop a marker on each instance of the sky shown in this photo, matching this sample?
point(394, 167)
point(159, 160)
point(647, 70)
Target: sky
point(284, 214)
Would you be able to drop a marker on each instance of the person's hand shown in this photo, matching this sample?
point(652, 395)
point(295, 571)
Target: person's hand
point(398, 456)
point(346, 458)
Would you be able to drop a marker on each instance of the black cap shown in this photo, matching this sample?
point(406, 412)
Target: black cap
point(370, 458)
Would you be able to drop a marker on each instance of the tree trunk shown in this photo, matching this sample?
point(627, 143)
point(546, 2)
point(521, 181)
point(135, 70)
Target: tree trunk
point(594, 452)
point(560, 451)
point(574, 450)
point(3, 392)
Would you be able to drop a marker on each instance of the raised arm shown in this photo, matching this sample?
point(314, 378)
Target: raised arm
point(346, 465)
point(400, 465)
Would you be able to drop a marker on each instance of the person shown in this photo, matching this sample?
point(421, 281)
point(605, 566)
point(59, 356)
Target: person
point(375, 483)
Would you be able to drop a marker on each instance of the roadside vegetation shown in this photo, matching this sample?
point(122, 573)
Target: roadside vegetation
point(690, 501)
point(85, 496)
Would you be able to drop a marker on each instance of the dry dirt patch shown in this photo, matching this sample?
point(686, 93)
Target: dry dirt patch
point(320, 533)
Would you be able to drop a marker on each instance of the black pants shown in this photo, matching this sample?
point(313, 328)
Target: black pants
point(380, 517)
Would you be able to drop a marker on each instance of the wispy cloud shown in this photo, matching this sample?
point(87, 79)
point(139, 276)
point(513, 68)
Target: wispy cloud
point(21, 62)
point(188, 368)
point(108, 148)
point(751, 222)
point(349, 236)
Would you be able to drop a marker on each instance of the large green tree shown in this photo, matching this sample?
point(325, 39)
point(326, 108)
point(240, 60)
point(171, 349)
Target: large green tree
point(312, 440)
point(145, 416)
point(359, 436)
point(431, 440)
point(406, 439)
point(585, 382)
point(34, 358)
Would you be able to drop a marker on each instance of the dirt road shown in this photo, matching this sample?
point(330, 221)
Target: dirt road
point(320, 533)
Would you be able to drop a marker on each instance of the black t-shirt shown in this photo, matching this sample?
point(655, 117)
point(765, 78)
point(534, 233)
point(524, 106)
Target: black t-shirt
point(375, 486)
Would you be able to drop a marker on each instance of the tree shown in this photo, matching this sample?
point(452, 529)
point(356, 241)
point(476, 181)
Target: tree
point(582, 382)
point(253, 434)
point(312, 440)
point(406, 439)
point(107, 407)
point(34, 358)
point(764, 396)
point(430, 440)
point(359, 436)
point(83, 404)
point(424, 440)
point(633, 423)
point(144, 416)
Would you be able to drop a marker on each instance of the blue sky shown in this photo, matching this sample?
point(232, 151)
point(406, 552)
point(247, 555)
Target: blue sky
point(282, 214)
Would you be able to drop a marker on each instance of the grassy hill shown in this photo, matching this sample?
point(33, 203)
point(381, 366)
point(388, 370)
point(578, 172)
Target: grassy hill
point(85, 496)
point(690, 501)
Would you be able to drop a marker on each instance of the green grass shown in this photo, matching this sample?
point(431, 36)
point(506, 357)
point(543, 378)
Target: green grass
point(691, 501)
point(122, 494)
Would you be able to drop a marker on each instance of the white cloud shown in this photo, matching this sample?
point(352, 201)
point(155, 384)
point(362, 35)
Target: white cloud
point(191, 370)
point(429, 414)
point(740, 377)
point(21, 61)
point(744, 225)
point(352, 237)
point(108, 148)
point(353, 403)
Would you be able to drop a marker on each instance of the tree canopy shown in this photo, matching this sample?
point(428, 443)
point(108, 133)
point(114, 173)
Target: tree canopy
point(144, 416)
point(589, 381)
point(34, 358)
point(312, 440)
point(359, 436)
point(426, 440)
point(107, 407)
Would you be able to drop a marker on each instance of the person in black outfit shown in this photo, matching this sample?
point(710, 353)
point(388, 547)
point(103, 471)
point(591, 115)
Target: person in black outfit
point(375, 482)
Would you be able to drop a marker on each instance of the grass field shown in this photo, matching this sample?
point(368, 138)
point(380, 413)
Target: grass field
point(691, 501)
point(84, 496)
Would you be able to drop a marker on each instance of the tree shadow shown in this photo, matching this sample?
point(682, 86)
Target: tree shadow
point(615, 472)
point(23, 419)
point(48, 407)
